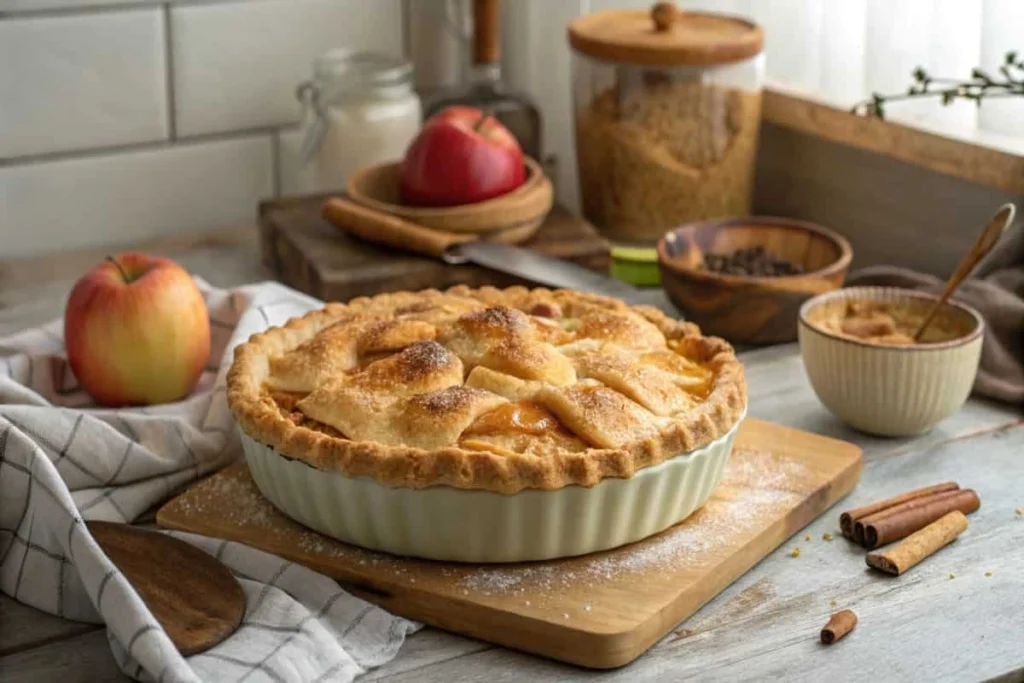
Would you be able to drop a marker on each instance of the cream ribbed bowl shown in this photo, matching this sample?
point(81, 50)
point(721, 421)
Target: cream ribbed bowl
point(890, 390)
point(446, 523)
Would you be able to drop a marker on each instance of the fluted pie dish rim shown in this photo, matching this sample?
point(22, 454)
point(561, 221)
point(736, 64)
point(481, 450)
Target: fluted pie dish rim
point(403, 466)
point(464, 525)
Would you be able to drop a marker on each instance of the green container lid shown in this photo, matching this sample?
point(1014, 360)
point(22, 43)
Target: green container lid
point(636, 265)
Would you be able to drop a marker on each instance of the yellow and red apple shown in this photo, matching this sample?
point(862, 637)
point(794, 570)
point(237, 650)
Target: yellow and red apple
point(137, 331)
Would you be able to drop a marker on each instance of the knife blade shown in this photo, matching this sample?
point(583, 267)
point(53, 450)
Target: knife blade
point(552, 272)
point(459, 248)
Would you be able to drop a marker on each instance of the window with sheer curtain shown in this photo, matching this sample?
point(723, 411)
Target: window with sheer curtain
point(834, 51)
point(843, 50)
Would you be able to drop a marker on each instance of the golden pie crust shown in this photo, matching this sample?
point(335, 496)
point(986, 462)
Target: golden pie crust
point(491, 389)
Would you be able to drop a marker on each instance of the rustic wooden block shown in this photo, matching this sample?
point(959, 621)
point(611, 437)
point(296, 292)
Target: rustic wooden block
point(307, 253)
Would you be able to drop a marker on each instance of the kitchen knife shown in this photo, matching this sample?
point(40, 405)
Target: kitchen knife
point(460, 248)
point(552, 272)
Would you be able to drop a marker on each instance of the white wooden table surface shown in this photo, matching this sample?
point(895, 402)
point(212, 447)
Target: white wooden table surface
point(925, 625)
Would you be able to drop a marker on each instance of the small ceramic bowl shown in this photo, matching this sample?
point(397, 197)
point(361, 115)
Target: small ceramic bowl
point(890, 389)
point(749, 309)
point(510, 218)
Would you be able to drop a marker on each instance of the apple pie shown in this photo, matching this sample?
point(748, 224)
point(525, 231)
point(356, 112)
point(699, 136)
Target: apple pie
point(485, 389)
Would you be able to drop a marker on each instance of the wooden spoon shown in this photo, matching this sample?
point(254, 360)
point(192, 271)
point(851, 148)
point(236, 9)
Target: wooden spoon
point(196, 599)
point(979, 250)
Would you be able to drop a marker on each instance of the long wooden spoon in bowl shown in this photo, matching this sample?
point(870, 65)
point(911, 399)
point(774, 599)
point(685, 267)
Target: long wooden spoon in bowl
point(979, 250)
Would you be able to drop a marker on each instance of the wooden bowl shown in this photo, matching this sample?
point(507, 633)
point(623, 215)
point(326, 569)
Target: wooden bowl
point(750, 310)
point(511, 218)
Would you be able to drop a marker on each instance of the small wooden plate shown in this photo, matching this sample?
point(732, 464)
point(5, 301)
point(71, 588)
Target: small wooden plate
point(196, 599)
point(511, 218)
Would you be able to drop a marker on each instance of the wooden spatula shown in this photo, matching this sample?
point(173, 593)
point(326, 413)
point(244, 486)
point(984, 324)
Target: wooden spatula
point(196, 599)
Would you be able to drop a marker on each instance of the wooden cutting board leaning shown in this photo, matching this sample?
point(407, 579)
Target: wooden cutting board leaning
point(602, 610)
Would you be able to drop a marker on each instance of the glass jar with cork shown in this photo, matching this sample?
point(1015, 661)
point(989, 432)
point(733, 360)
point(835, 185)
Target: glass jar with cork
point(667, 113)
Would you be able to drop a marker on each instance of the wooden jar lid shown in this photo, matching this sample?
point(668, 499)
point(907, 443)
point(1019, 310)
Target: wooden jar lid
point(665, 36)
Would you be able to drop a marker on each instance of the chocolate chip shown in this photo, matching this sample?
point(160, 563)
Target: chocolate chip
point(751, 261)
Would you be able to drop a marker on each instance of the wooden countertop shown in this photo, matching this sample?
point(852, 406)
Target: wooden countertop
point(764, 626)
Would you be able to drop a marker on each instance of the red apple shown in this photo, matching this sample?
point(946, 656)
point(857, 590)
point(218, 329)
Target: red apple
point(461, 156)
point(137, 331)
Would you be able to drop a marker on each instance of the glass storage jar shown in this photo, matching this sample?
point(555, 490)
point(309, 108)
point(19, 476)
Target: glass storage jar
point(360, 109)
point(667, 110)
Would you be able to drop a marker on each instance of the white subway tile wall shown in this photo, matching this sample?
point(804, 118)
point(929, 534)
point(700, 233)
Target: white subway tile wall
point(121, 96)
point(292, 174)
point(77, 202)
point(237, 65)
point(45, 5)
point(81, 81)
point(122, 120)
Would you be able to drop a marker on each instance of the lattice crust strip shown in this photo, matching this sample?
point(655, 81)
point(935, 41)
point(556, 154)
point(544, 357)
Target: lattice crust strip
point(491, 389)
point(600, 379)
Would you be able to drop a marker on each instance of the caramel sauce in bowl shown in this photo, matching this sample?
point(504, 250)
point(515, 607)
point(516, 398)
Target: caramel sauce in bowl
point(890, 323)
point(864, 365)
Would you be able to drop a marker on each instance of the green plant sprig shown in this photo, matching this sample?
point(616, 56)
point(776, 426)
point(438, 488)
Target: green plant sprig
point(981, 85)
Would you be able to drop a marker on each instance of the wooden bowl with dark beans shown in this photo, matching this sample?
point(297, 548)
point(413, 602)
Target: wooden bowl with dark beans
point(744, 279)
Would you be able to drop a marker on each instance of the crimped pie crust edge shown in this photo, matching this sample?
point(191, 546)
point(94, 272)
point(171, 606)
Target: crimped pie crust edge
point(401, 466)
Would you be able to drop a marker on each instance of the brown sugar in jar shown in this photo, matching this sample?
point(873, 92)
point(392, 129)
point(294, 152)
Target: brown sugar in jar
point(667, 119)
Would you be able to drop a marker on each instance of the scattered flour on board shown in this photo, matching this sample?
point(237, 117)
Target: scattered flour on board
point(750, 488)
point(249, 509)
point(749, 468)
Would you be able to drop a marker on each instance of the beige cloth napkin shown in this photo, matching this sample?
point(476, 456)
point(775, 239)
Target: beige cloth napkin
point(996, 290)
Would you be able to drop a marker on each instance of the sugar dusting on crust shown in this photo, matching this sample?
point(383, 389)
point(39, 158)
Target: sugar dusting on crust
point(495, 321)
point(526, 334)
point(447, 400)
point(422, 359)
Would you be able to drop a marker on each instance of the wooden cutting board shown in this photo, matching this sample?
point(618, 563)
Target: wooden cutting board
point(306, 253)
point(602, 610)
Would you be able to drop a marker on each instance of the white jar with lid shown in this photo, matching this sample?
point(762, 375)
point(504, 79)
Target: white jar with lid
point(360, 109)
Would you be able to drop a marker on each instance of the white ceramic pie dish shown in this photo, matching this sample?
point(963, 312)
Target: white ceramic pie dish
point(446, 523)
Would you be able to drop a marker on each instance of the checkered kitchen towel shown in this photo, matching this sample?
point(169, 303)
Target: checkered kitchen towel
point(63, 461)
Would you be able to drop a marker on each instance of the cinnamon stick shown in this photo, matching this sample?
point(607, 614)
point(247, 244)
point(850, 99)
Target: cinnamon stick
point(859, 527)
point(850, 517)
point(899, 558)
point(902, 520)
point(838, 626)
